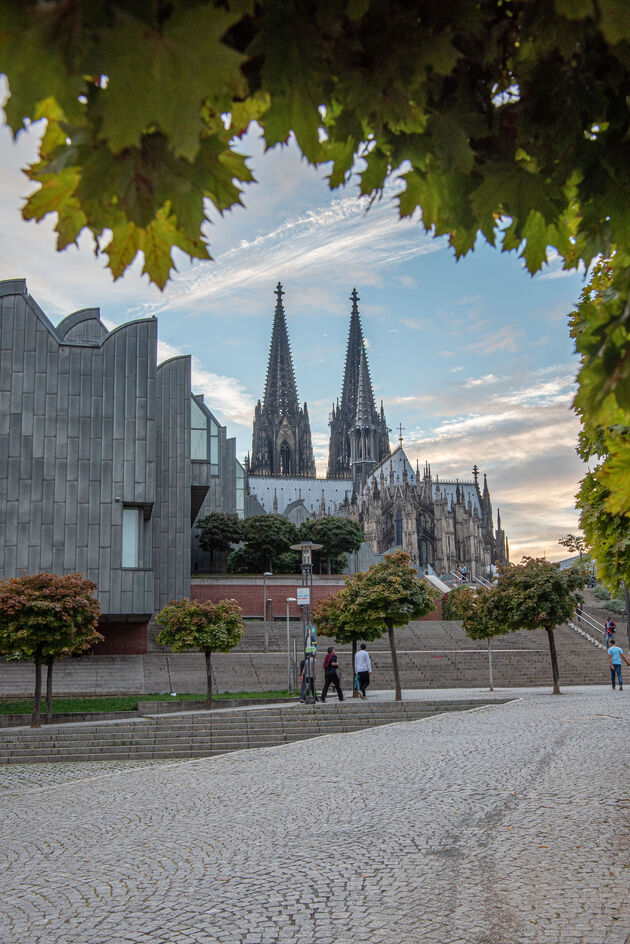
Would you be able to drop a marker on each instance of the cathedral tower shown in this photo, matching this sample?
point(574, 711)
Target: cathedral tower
point(281, 441)
point(344, 415)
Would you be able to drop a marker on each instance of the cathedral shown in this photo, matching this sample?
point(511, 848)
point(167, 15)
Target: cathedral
point(442, 524)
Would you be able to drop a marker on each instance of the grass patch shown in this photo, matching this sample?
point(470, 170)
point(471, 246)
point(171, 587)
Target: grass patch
point(62, 706)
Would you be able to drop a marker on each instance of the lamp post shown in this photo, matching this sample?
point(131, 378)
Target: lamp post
point(266, 574)
point(289, 600)
point(305, 601)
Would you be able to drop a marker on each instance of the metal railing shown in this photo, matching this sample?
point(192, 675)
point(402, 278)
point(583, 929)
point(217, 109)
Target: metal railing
point(584, 621)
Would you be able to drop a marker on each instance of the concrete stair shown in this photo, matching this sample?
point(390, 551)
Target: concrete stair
point(206, 734)
point(430, 655)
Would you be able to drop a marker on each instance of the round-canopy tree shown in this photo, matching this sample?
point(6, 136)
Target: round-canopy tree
point(387, 595)
point(267, 538)
point(44, 617)
point(338, 536)
point(533, 595)
point(220, 531)
point(333, 617)
point(210, 627)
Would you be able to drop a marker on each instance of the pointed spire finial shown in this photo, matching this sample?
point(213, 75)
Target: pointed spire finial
point(400, 434)
point(476, 474)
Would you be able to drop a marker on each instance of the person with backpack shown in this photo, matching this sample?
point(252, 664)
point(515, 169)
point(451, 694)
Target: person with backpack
point(609, 628)
point(330, 674)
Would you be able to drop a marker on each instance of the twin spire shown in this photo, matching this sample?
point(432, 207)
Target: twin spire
point(281, 442)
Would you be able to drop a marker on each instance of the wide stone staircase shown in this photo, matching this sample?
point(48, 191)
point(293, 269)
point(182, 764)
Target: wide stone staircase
point(431, 654)
point(209, 733)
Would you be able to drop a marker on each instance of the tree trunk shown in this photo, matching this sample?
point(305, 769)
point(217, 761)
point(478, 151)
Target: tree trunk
point(626, 594)
point(490, 663)
point(392, 647)
point(554, 661)
point(36, 721)
point(329, 559)
point(49, 678)
point(355, 693)
point(208, 679)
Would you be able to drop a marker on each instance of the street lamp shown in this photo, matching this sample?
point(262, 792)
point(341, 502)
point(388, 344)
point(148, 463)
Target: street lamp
point(305, 601)
point(289, 600)
point(266, 574)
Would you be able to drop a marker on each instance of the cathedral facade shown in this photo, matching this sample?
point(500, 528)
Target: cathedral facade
point(441, 524)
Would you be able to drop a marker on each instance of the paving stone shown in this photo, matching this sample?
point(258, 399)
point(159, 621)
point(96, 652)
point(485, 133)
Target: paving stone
point(507, 825)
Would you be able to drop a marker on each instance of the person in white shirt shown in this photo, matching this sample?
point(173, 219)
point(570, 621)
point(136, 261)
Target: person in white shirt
point(363, 668)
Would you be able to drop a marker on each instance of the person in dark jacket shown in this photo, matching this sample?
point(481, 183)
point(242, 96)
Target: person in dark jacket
point(331, 677)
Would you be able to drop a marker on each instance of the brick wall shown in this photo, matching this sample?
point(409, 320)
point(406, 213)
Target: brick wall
point(122, 639)
point(248, 593)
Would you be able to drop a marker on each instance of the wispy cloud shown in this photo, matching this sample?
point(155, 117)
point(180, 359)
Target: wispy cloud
point(504, 339)
point(481, 381)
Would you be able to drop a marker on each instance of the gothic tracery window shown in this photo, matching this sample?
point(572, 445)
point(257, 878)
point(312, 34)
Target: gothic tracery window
point(285, 458)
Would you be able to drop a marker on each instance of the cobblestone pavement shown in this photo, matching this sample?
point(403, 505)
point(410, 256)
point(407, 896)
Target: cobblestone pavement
point(502, 825)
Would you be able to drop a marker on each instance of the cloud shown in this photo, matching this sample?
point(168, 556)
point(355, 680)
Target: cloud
point(480, 381)
point(505, 339)
point(227, 397)
point(412, 323)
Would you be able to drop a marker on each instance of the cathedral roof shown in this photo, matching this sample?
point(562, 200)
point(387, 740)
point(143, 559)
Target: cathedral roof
point(288, 489)
point(449, 490)
point(280, 388)
point(397, 463)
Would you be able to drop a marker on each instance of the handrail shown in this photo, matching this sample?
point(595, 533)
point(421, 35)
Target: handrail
point(590, 621)
point(577, 629)
point(483, 582)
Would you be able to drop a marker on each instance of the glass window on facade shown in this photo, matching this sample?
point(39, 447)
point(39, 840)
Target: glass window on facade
point(198, 432)
point(131, 524)
point(214, 448)
point(399, 527)
point(240, 491)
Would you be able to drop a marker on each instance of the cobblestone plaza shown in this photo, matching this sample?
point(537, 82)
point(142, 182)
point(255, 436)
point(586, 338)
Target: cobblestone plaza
point(508, 824)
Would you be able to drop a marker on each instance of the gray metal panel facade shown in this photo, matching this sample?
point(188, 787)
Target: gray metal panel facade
point(79, 442)
point(171, 516)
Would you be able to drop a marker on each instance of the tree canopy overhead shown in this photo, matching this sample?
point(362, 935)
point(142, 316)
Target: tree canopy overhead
point(480, 109)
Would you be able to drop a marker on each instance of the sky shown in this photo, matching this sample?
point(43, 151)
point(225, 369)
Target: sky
point(473, 358)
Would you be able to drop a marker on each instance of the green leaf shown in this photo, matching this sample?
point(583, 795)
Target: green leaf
point(373, 177)
point(172, 73)
point(123, 247)
point(614, 20)
point(451, 144)
point(535, 249)
point(55, 192)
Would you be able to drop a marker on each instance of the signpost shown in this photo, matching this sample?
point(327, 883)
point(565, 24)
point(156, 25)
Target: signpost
point(304, 599)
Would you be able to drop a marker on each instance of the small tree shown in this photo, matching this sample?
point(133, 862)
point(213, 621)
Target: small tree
point(470, 606)
point(532, 595)
point(333, 618)
point(210, 627)
point(338, 536)
point(574, 543)
point(389, 594)
point(44, 617)
point(220, 531)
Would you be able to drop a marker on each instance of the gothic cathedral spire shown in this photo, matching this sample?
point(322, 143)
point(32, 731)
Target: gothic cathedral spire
point(281, 441)
point(344, 417)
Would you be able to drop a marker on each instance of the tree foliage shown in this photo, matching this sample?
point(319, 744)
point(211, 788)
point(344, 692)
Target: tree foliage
point(267, 542)
point(220, 531)
point(44, 617)
point(535, 594)
point(387, 595)
point(601, 328)
point(338, 537)
point(210, 627)
point(483, 110)
point(503, 121)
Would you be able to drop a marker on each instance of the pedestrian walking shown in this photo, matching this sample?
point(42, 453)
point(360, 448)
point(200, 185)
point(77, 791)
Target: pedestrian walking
point(609, 628)
point(615, 655)
point(331, 667)
point(363, 668)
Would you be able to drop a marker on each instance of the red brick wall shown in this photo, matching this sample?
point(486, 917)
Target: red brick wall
point(250, 597)
point(122, 639)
